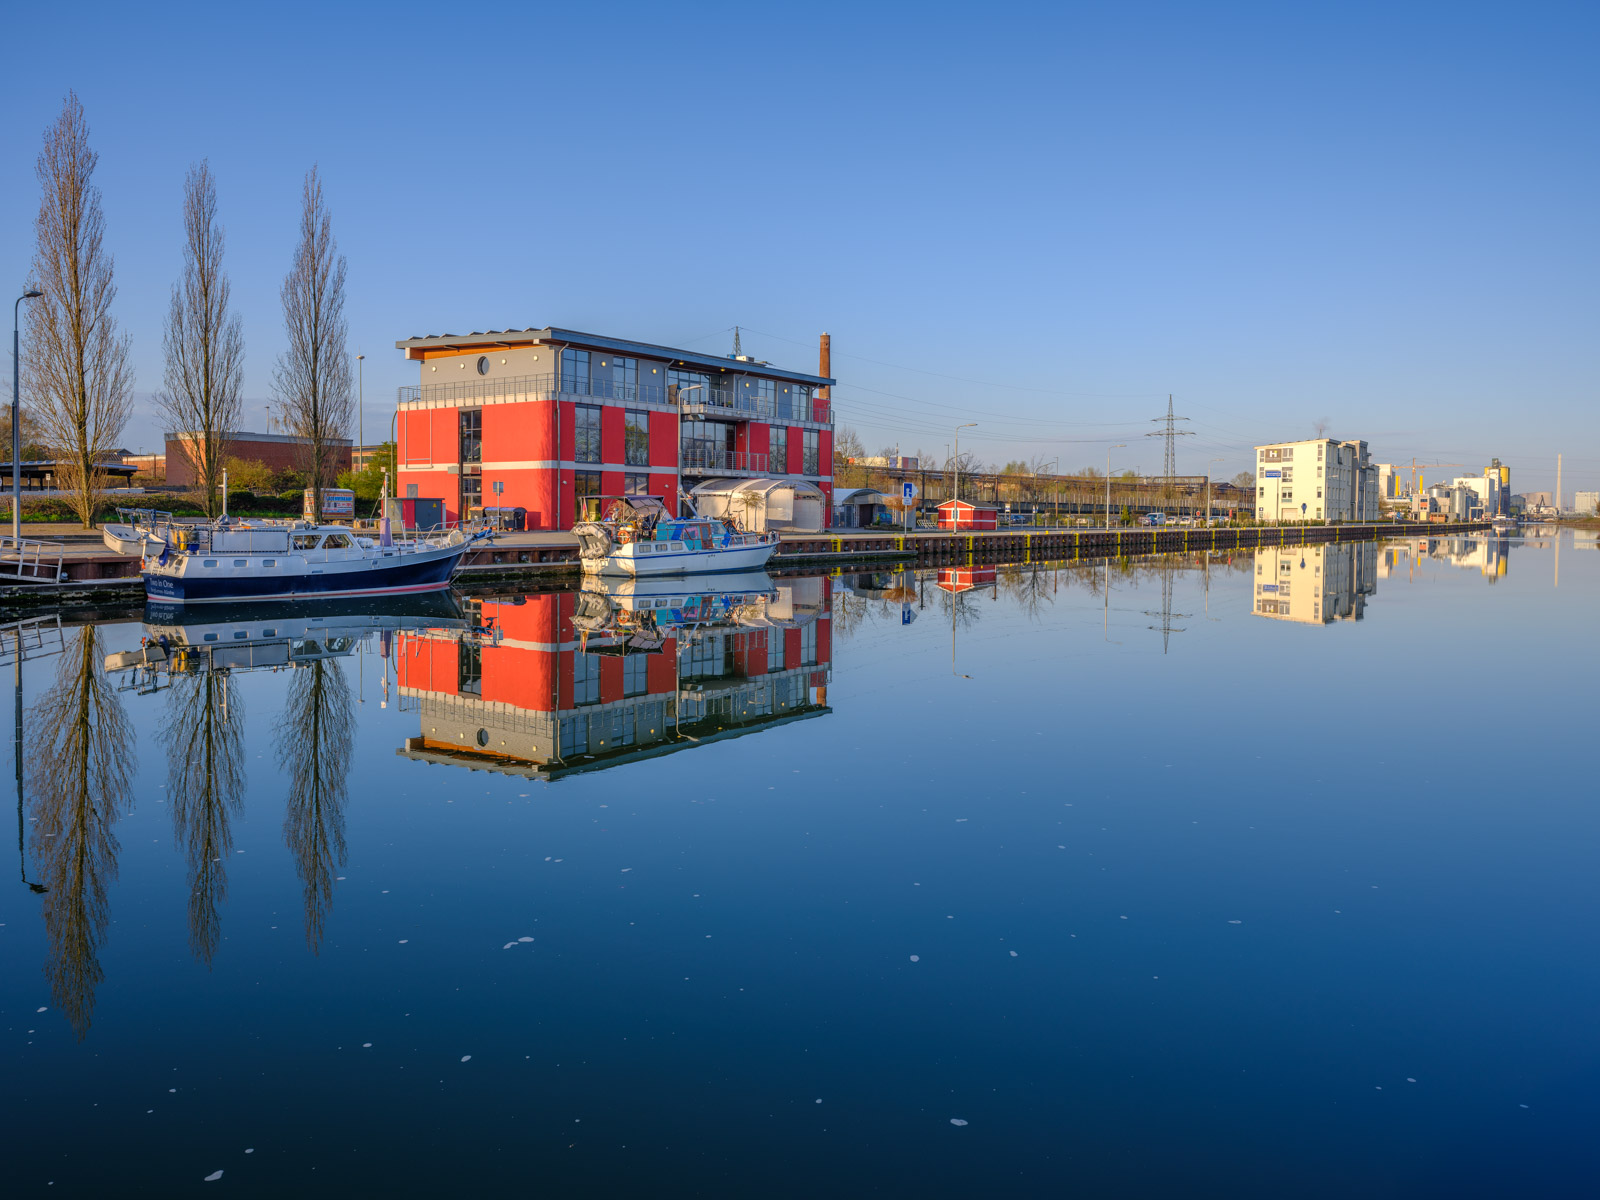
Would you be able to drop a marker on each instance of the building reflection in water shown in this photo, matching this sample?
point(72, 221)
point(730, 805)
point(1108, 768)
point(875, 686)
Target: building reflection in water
point(619, 671)
point(1316, 585)
point(80, 766)
point(1490, 556)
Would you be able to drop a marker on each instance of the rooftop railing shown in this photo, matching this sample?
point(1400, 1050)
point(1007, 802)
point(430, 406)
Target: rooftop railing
point(737, 403)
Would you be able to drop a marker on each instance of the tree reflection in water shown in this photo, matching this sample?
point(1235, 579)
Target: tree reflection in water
point(80, 772)
point(204, 737)
point(315, 736)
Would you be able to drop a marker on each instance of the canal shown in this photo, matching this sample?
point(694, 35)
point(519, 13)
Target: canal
point(1251, 873)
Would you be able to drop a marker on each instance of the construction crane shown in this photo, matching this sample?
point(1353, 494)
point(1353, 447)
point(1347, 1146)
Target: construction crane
point(1417, 479)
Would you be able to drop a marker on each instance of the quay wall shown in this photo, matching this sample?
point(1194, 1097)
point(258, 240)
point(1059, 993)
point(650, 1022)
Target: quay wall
point(109, 579)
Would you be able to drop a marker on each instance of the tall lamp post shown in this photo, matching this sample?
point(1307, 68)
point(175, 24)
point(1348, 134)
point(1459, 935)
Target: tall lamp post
point(1109, 449)
point(361, 406)
point(16, 418)
point(1208, 491)
point(1055, 500)
point(957, 493)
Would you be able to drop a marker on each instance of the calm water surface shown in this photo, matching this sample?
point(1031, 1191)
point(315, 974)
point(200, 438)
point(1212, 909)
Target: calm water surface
point(1267, 875)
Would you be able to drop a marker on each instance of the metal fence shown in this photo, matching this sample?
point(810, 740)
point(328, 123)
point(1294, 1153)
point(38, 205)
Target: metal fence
point(696, 399)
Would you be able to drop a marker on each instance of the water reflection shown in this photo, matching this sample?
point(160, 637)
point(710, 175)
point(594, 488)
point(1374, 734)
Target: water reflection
point(617, 672)
point(314, 738)
point(1315, 585)
point(203, 733)
point(80, 767)
point(1489, 555)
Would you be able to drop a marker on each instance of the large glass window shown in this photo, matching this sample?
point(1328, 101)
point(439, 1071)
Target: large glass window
point(470, 425)
point(801, 397)
point(586, 484)
point(774, 649)
point(575, 371)
point(706, 445)
point(636, 484)
point(679, 381)
point(471, 493)
point(765, 392)
point(469, 669)
point(778, 454)
point(636, 438)
point(808, 644)
point(812, 453)
point(635, 674)
point(585, 678)
point(624, 378)
point(586, 433)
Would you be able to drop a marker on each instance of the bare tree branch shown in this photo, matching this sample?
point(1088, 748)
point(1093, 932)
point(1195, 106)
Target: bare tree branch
point(313, 375)
point(204, 343)
point(78, 373)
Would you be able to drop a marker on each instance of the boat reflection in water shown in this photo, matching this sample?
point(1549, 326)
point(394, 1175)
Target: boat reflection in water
point(190, 655)
point(622, 670)
point(1315, 585)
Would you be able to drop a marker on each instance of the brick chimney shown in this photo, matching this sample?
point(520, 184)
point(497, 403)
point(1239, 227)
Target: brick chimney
point(825, 366)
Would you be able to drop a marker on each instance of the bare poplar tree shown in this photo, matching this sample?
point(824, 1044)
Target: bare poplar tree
point(77, 366)
point(313, 374)
point(204, 343)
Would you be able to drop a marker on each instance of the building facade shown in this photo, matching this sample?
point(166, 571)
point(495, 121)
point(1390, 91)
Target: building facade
point(553, 421)
point(279, 451)
point(1319, 479)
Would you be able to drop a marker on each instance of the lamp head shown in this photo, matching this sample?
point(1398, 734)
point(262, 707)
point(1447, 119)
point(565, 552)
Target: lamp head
point(31, 295)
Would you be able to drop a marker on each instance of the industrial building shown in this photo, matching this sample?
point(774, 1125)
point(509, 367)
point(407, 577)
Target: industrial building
point(1315, 585)
point(553, 421)
point(278, 451)
point(1319, 479)
point(1585, 503)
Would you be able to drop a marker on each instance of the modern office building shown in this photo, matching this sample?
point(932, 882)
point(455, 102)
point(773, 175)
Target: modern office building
point(1319, 479)
point(1391, 483)
point(552, 420)
point(1315, 585)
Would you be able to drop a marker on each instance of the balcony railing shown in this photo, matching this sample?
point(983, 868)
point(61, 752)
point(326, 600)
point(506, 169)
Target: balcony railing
point(722, 462)
point(725, 403)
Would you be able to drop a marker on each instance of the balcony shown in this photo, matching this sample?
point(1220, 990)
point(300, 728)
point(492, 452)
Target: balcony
point(696, 460)
point(716, 403)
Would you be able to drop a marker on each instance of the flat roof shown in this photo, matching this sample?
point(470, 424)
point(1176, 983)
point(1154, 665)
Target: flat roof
point(595, 341)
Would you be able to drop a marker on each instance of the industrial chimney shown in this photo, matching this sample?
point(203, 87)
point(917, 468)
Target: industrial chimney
point(825, 366)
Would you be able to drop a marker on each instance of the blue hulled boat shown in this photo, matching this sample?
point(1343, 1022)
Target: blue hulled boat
point(260, 561)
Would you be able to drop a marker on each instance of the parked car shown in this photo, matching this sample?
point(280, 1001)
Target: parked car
point(1154, 518)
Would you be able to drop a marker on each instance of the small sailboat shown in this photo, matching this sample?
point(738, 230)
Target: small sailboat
point(637, 536)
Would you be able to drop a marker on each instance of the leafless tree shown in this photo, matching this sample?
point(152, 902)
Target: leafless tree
point(80, 781)
point(204, 343)
point(204, 738)
point(313, 374)
point(77, 366)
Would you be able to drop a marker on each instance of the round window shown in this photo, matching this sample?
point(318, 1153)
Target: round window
point(483, 364)
point(483, 737)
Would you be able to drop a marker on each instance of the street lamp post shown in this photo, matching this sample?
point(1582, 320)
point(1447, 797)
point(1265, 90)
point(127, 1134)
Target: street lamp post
point(361, 406)
point(1109, 449)
point(1208, 491)
point(957, 493)
point(16, 418)
point(1055, 499)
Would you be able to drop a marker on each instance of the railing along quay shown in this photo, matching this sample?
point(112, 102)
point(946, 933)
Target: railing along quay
point(1030, 545)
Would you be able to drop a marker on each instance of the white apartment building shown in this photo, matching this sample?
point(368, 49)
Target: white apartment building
point(1318, 479)
point(1391, 483)
point(1315, 585)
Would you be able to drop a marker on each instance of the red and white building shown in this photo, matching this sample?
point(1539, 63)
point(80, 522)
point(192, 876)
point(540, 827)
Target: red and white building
point(542, 419)
point(542, 698)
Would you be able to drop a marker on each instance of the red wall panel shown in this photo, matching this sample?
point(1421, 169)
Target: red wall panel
point(611, 435)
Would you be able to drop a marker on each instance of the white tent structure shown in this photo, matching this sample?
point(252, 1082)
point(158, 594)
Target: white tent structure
point(759, 505)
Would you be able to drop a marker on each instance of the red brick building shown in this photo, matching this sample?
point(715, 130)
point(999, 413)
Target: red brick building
point(280, 452)
point(544, 419)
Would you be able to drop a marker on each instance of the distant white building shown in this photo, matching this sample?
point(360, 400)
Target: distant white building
point(1585, 502)
point(1319, 479)
point(1391, 483)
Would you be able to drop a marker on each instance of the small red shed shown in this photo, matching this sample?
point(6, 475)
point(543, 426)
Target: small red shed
point(958, 514)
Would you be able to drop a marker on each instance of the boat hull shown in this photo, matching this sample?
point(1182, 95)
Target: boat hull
point(624, 562)
point(426, 571)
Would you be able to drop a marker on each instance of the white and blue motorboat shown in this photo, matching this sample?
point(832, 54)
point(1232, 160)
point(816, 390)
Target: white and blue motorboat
point(202, 564)
point(639, 537)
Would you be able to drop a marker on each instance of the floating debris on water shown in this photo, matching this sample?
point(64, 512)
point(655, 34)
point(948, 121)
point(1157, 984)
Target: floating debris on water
point(957, 1121)
point(214, 1176)
point(466, 1058)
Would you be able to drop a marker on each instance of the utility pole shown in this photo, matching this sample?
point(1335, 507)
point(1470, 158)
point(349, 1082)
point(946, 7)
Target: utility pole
point(957, 494)
point(1171, 433)
point(1558, 487)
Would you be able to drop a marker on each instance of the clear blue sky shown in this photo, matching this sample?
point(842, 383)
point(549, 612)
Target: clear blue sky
point(1384, 215)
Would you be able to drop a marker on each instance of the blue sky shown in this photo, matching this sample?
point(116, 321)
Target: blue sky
point(1040, 218)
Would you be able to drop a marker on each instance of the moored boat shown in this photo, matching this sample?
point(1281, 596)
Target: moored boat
point(639, 537)
point(253, 561)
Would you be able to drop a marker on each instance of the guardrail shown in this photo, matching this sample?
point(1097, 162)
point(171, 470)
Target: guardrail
point(697, 399)
point(24, 558)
